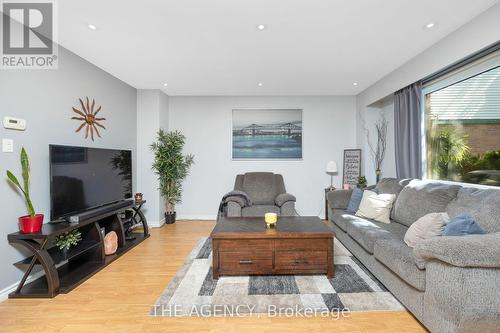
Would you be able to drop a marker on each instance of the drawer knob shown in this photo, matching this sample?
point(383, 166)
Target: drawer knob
point(245, 261)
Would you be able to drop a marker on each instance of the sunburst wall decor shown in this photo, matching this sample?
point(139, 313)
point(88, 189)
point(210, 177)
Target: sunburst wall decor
point(88, 116)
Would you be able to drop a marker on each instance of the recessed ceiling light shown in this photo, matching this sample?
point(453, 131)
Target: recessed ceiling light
point(429, 25)
point(92, 27)
point(354, 83)
point(165, 84)
point(261, 26)
point(260, 84)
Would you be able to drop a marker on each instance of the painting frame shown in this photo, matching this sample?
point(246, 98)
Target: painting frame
point(352, 179)
point(283, 122)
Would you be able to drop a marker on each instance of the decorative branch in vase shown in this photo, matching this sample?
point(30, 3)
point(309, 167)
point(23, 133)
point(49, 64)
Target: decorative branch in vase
point(377, 151)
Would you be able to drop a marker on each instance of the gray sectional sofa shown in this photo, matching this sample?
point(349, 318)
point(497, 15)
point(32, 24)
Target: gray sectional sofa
point(450, 284)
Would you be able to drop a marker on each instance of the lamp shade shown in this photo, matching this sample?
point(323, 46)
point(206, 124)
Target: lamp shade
point(331, 167)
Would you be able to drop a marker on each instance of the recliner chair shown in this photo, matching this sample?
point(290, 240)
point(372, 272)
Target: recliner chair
point(266, 192)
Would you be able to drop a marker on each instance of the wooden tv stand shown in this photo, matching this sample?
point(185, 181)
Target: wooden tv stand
point(66, 271)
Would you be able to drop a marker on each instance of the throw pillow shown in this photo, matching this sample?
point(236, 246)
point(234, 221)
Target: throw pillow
point(376, 206)
point(462, 225)
point(356, 196)
point(428, 226)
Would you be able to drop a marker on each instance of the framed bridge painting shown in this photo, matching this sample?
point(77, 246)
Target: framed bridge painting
point(267, 134)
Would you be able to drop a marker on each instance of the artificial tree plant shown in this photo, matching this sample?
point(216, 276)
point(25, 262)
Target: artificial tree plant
point(32, 222)
point(171, 166)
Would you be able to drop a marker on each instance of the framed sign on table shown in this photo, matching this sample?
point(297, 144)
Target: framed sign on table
point(352, 167)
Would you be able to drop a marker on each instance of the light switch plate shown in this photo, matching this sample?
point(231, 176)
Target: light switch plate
point(7, 145)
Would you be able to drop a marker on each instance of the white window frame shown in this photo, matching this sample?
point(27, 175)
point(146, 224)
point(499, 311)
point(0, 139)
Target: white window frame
point(482, 65)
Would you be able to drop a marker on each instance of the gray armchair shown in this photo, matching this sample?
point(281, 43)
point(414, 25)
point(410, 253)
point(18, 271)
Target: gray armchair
point(257, 193)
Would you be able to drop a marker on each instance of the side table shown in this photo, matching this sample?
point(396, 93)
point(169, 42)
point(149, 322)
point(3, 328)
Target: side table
point(328, 189)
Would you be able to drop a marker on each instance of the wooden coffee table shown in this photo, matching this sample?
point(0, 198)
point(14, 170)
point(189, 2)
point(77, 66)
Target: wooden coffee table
point(297, 245)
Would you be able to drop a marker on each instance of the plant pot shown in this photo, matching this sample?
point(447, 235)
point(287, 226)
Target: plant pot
point(30, 224)
point(170, 218)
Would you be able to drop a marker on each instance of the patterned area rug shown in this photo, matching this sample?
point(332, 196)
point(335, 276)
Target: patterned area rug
point(193, 292)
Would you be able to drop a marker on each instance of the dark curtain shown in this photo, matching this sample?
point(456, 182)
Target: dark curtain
point(407, 130)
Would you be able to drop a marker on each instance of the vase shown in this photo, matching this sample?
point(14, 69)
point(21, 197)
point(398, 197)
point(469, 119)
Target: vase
point(30, 224)
point(378, 173)
point(170, 217)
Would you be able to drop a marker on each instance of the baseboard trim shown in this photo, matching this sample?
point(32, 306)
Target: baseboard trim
point(156, 224)
point(197, 217)
point(4, 293)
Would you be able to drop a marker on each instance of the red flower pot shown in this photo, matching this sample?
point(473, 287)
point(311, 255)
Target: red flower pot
point(30, 224)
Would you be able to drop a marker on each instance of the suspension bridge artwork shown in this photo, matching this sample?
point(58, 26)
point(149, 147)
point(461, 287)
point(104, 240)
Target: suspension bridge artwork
point(267, 134)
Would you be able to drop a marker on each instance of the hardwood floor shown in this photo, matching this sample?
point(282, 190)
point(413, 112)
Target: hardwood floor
point(118, 299)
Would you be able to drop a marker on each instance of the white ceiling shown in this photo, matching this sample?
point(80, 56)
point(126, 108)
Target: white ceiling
point(212, 47)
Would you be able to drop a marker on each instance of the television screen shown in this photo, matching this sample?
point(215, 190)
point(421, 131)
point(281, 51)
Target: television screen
point(83, 178)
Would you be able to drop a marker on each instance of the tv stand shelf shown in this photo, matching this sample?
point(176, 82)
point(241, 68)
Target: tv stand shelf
point(65, 271)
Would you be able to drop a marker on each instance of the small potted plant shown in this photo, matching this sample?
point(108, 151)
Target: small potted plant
point(361, 181)
point(171, 166)
point(31, 223)
point(65, 241)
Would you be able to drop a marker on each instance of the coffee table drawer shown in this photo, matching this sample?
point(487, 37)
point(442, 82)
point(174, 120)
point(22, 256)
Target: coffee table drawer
point(233, 263)
point(313, 244)
point(245, 245)
point(301, 260)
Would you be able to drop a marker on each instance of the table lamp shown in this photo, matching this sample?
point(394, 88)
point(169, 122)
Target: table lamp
point(331, 169)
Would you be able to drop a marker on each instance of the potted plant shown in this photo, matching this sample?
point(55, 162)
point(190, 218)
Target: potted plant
point(361, 181)
point(65, 241)
point(172, 167)
point(32, 222)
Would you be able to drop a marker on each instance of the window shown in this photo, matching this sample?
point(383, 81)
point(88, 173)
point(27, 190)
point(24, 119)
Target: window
point(462, 125)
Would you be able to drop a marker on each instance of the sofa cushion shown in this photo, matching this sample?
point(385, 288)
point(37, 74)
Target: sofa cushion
point(367, 232)
point(376, 206)
point(428, 226)
point(420, 198)
point(482, 204)
point(260, 187)
point(259, 210)
point(399, 258)
point(391, 186)
point(463, 225)
point(340, 217)
point(356, 196)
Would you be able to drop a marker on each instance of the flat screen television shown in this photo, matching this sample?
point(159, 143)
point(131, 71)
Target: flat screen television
point(84, 178)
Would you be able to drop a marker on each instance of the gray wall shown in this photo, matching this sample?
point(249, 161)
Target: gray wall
point(386, 108)
point(329, 128)
point(152, 114)
point(44, 98)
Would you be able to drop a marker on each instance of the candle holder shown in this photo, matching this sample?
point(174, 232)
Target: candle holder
point(271, 219)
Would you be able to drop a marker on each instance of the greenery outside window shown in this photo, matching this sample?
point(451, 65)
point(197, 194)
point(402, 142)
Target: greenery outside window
point(462, 125)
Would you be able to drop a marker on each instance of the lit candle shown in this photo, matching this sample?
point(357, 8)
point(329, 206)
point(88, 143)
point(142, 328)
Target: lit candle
point(271, 219)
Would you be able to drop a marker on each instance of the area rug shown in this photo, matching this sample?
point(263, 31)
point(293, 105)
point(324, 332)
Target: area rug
point(193, 292)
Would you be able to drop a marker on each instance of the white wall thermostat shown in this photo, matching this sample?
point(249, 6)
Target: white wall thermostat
point(14, 123)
